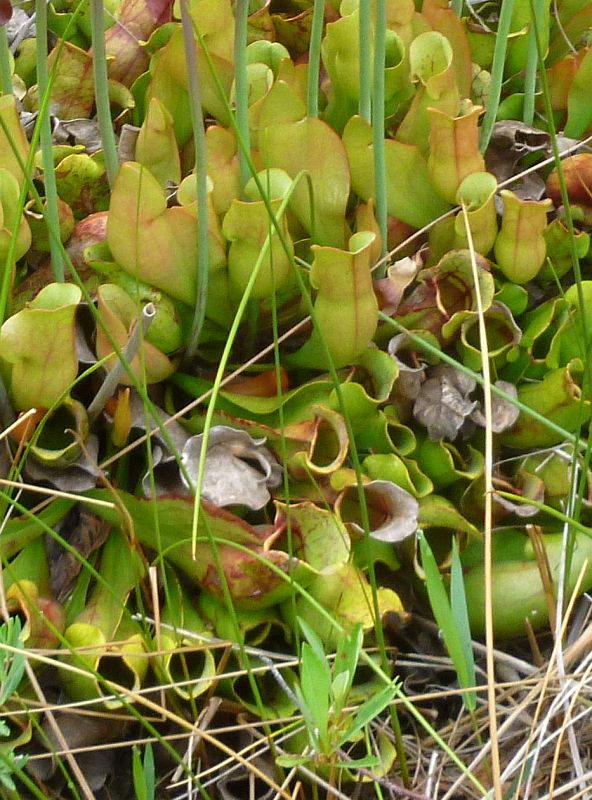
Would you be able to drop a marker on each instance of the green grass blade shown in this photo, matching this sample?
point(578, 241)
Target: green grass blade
point(201, 174)
point(444, 615)
point(365, 48)
point(585, 329)
point(49, 181)
point(369, 710)
point(378, 127)
point(530, 77)
point(224, 358)
point(460, 614)
point(12, 666)
point(138, 775)
point(102, 90)
point(497, 72)
point(314, 58)
point(563, 189)
point(242, 86)
point(5, 66)
point(315, 684)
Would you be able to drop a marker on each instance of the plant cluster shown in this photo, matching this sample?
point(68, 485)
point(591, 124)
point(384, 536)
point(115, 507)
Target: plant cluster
point(256, 258)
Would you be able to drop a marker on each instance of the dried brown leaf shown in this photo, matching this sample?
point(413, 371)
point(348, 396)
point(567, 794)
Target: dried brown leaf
point(504, 412)
point(239, 470)
point(393, 512)
point(443, 402)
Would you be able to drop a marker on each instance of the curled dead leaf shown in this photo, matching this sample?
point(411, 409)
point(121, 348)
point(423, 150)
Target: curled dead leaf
point(79, 476)
point(393, 512)
point(410, 378)
point(399, 276)
point(443, 402)
point(239, 470)
point(504, 412)
point(510, 141)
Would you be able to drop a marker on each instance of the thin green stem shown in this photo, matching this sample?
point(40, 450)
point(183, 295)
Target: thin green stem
point(5, 67)
point(575, 506)
point(314, 58)
point(241, 83)
point(28, 185)
point(252, 315)
point(102, 90)
point(566, 519)
point(380, 184)
point(224, 358)
point(497, 72)
point(49, 181)
point(365, 49)
point(22, 776)
point(240, 312)
point(532, 64)
point(201, 176)
point(562, 188)
point(456, 6)
point(283, 447)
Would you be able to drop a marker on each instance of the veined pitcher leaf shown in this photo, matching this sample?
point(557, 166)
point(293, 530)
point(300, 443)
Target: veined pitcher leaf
point(9, 193)
point(411, 194)
point(156, 146)
point(346, 309)
point(346, 596)
point(135, 21)
point(431, 63)
point(311, 145)
point(119, 313)
point(39, 346)
point(520, 247)
point(454, 149)
point(12, 135)
point(154, 243)
point(257, 576)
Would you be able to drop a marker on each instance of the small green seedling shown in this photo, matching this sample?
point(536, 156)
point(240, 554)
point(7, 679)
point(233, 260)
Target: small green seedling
point(143, 773)
point(322, 697)
point(12, 668)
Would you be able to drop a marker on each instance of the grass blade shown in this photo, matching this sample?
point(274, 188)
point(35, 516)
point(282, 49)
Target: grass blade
point(102, 90)
point(378, 126)
point(241, 86)
point(201, 173)
point(458, 604)
point(5, 67)
point(314, 58)
point(443, 614)
point(49, 180)
point(497, 72)
point(365, 106)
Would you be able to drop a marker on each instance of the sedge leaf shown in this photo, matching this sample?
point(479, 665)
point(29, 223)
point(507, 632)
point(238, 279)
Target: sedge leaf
point(458, 604)
point(315, 681)
point(443, 614)
point(370, 762)
point(370, 710)
point(12, 666)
